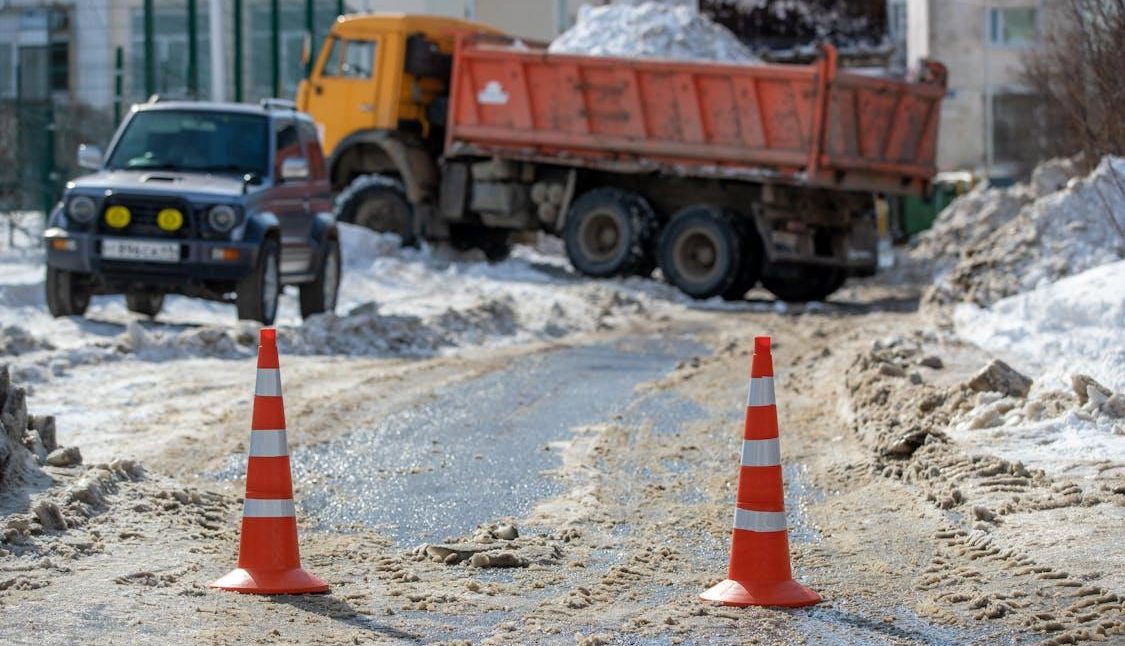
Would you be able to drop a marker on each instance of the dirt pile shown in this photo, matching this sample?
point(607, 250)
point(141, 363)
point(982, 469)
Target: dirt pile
point(650, 30)
point(1014, 240)
point(26, 441)
point(909, 423)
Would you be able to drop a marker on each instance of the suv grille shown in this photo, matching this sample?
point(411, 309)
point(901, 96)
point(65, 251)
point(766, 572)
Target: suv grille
point(143, 210)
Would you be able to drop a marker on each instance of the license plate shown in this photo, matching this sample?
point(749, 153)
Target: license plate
point(147, 251)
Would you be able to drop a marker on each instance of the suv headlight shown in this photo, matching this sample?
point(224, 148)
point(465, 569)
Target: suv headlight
point(81, 208)
point(222, 218)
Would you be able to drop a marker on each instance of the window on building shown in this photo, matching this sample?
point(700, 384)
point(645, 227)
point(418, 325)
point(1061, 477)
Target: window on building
point(1013, 117)
point(7, 72)
point(1011, 26)
point(59, 67)
point(896, 19)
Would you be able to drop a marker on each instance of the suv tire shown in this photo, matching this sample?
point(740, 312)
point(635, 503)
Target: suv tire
point(378, 203)
point(67, 293)
point(147, 303)
point(609, 232)
point(258, 294)
point(321, 294)
point(701, 251)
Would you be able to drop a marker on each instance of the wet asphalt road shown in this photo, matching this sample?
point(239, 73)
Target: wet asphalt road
point(478, 450)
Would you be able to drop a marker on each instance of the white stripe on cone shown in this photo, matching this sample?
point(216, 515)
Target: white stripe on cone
point(268, 508)
point(269, 383)
point(268, 444)
point(759, 521)
point(761, 392)
point(760, 453)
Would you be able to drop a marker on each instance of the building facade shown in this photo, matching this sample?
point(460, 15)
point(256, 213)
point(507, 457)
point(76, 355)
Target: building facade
point(989, 112)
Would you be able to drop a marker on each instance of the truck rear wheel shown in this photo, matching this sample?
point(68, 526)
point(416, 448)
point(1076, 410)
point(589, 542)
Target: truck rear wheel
point(378, 203)
point(495, 243)
point(803, 283)
point(752, 259)
point(701, 251)
point(67, 293)
point(147, 303)
point(609, 232)
point(259, 292)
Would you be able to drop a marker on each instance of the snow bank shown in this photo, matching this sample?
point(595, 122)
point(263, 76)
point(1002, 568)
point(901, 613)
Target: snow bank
point(1059, 234)
point(1065, 332)
point(1074, 325)
point(650, 30)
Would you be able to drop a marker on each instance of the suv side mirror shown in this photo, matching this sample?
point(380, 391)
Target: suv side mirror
point(89, 157)
point(294, 168)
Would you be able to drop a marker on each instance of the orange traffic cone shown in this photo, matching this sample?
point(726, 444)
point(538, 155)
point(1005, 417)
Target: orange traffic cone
point(759, 572)
point(268, 558)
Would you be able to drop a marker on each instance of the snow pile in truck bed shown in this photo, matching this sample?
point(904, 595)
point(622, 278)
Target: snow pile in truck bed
point(650, 30)
point(1007, 248)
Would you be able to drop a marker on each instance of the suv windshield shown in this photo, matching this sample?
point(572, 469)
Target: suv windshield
point(220, 142)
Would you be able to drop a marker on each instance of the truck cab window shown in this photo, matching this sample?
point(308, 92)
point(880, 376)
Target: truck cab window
point(359, 59)
point(332, 63)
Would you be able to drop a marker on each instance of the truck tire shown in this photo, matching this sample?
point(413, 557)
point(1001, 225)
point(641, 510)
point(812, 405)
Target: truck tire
point(610, 232)
point(495, 243)
point(753, 257)
point(320, 295)
point(67, 293)
point(147, 303)
point(701, 251)
point(257, 294)
point(803, 283)
point(378, 203)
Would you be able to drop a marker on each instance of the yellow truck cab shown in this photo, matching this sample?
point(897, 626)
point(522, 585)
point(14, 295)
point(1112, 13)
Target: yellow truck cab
point(378, 92)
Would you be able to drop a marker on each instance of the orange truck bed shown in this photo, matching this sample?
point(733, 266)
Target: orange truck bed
point(811, 124)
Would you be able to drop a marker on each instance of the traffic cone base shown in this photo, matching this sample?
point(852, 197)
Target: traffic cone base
point(262, 581)
point(786, 594)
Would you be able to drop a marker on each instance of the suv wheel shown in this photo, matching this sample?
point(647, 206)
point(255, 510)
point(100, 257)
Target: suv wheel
point(67, 293)
point(259, 292)
point(320, 295)
point(147, 303)
point(378, 203)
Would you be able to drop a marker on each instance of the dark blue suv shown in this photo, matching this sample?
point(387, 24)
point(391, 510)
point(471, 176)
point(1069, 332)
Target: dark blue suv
point(228, 202)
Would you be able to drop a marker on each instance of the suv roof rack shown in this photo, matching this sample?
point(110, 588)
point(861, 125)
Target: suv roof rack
point(278, 104)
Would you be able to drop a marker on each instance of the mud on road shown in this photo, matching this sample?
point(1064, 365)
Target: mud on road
point(615, 455)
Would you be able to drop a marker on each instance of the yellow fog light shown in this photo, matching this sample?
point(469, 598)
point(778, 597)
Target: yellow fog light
point(170, 219)
point(117, 217)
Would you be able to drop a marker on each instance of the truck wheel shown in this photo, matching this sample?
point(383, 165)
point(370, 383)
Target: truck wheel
point(258, 294)
point(752, 260)
point(803, 283)
point(701, 252)
point(495, 243)
point(320, 295)
point(378, 203)
point(67, 294)
point(609, 232)
point(147, 303)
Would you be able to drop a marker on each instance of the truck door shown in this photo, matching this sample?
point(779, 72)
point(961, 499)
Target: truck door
point(289, 199)
point(343, 95)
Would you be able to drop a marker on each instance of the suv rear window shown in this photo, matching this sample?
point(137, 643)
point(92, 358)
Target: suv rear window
point(219, 142)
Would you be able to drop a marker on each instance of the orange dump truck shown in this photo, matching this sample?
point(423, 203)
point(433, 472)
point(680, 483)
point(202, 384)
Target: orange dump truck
point(720, 174)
